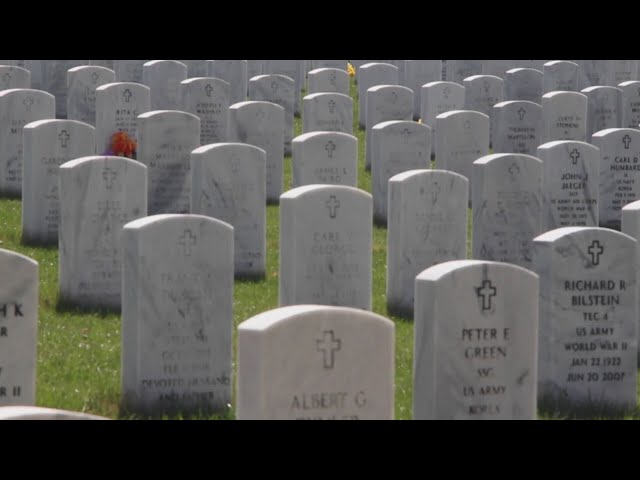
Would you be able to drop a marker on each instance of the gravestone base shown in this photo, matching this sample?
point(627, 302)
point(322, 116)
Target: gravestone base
point(398, 310)
point(87, 305)
point(556, 405)
point(250, 277)
point(38, 241)
point(173, 406)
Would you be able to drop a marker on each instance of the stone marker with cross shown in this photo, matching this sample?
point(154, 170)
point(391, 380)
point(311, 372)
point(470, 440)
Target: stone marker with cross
point(98, 195)
point(177, 315)
point(571, 176)
point(166, 140)
point(82, 83)
point(437, 98)
point(128, 70)
point(475, 342)
point(564, 117)
point(18, 329)
point(507, 207)
point(370, 75)
point(163, 78)
point(328, 80)
point(619, 172)
point(624, 71)
point(47, 145)
point(419, 73)
point(292, 69)
point(397, 146)
point(523, 84)
point(630, 104)
point(54, 81)
point(594, 73)
point(603, 108)
point(560, 75)
point(14, 77)
point(327, 373)
point(329, 158)
point(18, 107)
point(482, 92)
point(262, 124)
point(516, 127)
point(326, 231)
point(228, 183)
point(588, 319)
point(208, 99)
point(427, 225)
point(327, 112)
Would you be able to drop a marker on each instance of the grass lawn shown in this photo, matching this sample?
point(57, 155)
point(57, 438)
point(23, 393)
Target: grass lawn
point(78, 365)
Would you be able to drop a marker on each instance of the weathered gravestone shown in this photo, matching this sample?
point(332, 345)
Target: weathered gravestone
point(330, 80)
point(329, 158)
point(603, 109)
point(326, 231)
point(18, 329)
point(166, 140)
point(278, 89)
point(163, 78)
point(619, 172)
point(385, 102)
point(482, 92)
point(370, 75)
point(234, 72)
point(624, 71)
point(195, 68)
point(564, 116)
point(117, 108)
point(397, 146)
point(208, 99)
point(290, 68)
point(82, 83)
point(461, 138)
point(128, 70)
point(427, 225)
point(507, 207)
point(98, 195)
point(47, 145)
point(309, 362)
point(262, 124)
point(229, 183)
point(516, 127)
point(54, 81)
point(475, 342)
point(595, 73)
point(588, 319)
point(14, 77)
point(523, 84)
point(630, 104)
point(571, 179)
point(17, 108)
point(560, 75)
point(327, 112)
point(419, 73)
point(437, 98)
point(40, 413)
point(458, 70)
point(177, 314)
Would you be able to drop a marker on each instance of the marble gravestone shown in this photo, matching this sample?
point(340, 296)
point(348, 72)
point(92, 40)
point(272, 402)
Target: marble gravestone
point(312, 362)
point(630, 104)
point(102, 63)
point(262, 124)
point(384, 103)
point(523, 84)
point(17, 108)
point(234, 72)
point(419, 73)
point(229, 183)
point(82, 83)
point(458, 70)
point(292, 69)
point(498, 68)
point(571, 179)
point(370, 75)
point(117, 108)
point(329, 158)
point(98, 195)
point(327, 112)
point(588, 318)
point(18, 328)
point(278, 89)
point(336, 64)
point(14, 77)
point(326, 231)
point(595, 73)
point(166, 139)
point(177, 315)
point(603, 108)
point(482, 92)
point(208, 99)
point(427, 225)
point(129, 71)
point(437, 98)
point(398, 146)
point(564, 116)
point(54, 81)
point(35, 67)
point(619, 172)
point(331, 80)
point(475, 342)
point(163, 78)
point(516, 127)
point(196, 68)
point(560, 75)
point(254, 68)
point(507, 207)
point(624, 71)
point(461, 137)
point(40, 413)
point(47, 145)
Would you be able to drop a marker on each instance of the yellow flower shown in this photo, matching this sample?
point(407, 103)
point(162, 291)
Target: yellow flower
point(351, 70)
point(419, 120)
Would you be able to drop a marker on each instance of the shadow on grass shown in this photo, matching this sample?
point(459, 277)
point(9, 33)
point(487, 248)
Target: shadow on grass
point(562, 408)
point(36, 243)
point(67, 306)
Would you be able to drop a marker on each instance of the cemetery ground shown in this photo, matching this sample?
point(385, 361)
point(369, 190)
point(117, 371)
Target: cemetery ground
point(78, 359)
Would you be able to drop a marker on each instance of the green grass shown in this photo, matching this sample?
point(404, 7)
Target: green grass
point(78, 365)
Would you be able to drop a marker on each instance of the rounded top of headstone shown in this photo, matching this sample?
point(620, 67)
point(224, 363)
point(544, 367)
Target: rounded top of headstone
point(501, 156)
point(269, 76)
point(164, 217)
point(189, 81)
point(151, 63)
point(266, 320)
point(317, 71)
point(33, 91)
point(455, 113)
point(19, 256)
point(256, 103)
point(442, 83)
point(629, 83)
point(553, 235)
point(523, 71)
point(474, 78)
point(437, 272)
point(168, 113)
point(320, 134)
point(219, 147)
point(91, 68)
point(564, 93)
point(397, 88)
point(40, 413)
point(557, 62)
point(527, 103)
point(108, 86)
point(313, 96)
point(600, 88)
point(400, 177)
point(58, 122)
point(82, 161)
point(567, 143)
point(370, 65)
point(616, 131)
point(632, 206)
point(401, 125)
point(15, 67)
point(317, 188)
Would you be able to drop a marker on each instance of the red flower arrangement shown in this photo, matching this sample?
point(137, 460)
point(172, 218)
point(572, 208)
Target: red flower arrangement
point(122, 145)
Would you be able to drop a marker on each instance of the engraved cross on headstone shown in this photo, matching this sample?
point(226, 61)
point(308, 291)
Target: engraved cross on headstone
point(521, 113)
point(27, 102)
point(332, 106)
point(486, 291)
point(208, 89)
point(595, 250)
point(514, 169)
point(6, 78)
point(627, 141)
point(328, 345)
point(332, 205)
point(575, 155)
point(435, 191)
point(109, 175)
point(275, 86)
point(127, 95)
point(187, 240)
point(64, 138)
point(330, 147)
point(95, 77)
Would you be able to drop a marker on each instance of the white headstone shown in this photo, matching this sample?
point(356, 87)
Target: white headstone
point(419, 73)
point(14, 77)
point(234, 72)
point(128, 70)
point(327, 112)
point(290, 68)
point(330, 80)
point(370, 75)
point(437, 98)
point(595, 73)
point(624, 71)
point(564, 116)
point(603, 110)
point(560, 75)
point(208, 99)
point(523, 84)
point(82, 83)
point(630, 104)
point(163, 78)
point(516, 127)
